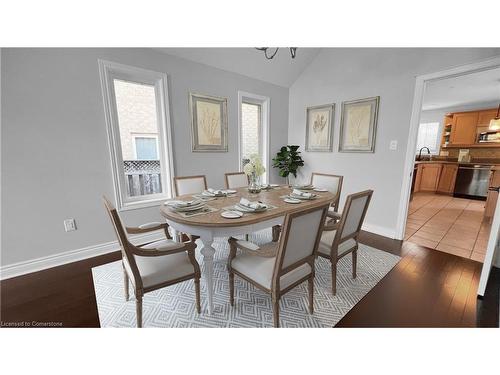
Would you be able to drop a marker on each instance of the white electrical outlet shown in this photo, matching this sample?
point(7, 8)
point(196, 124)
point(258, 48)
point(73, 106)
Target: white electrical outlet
point(69, 225)
point(393, 146)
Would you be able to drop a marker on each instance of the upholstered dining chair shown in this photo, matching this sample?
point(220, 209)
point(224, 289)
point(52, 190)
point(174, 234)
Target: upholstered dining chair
point(333, 183)
point(341, 238)
point(189, 185)
point(277, 268)
point(236, 180)
point(154, 265)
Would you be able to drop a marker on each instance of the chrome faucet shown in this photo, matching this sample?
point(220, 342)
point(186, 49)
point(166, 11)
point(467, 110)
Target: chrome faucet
point(420, 153)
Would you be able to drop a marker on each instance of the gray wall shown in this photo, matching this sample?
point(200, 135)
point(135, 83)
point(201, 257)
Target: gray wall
point(337, 75)
point(55, 156)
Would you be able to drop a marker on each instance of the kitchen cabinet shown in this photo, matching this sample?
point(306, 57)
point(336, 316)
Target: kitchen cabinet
point(447, 178)
point(491, 200)
point(463, 130)
point(429, 176)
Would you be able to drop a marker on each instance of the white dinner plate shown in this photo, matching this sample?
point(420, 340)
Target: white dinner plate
point(229, 191)
point(189, 208)
point(274, 185)
point(321, 190)
point(292, 200)
point(231, 214)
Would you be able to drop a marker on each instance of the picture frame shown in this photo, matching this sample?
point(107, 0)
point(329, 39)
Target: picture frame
point(208, 123)
point(358, 125)
point(319, 128)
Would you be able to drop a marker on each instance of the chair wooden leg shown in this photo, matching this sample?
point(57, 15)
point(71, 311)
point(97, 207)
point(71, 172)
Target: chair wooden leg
point(231, 288)
point(126, 284)
point(354, 263)
point(334, 277)
point(276, 313)
point(197, 292)
point(138, 308)
point(276, 233)
point(310, 284)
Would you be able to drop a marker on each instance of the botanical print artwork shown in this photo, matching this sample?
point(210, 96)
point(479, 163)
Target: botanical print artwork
point(319, 128)
point(209, 123)
point(358, 125)
point(357, 132)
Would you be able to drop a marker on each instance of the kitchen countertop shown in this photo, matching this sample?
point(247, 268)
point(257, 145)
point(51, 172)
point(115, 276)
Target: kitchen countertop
point(482, 162)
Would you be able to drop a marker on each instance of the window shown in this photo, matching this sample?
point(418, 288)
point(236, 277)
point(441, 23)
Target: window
point(136, 105)
point(254, 110)
point(428, 136)
point(145, 147)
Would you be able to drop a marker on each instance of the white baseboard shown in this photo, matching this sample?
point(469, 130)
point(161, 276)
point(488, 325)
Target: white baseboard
point(382, 231)
point(22, 268)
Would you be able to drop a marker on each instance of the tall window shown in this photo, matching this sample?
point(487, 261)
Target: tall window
point(254, 128)
point(250, 129)
point(139, 133)
point(428, 136)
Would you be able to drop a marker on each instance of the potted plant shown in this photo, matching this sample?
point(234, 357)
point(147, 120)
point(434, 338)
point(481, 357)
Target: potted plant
point(288, 161)
point(254, 169)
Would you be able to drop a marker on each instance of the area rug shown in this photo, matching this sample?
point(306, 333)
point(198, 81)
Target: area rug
point(174, 306)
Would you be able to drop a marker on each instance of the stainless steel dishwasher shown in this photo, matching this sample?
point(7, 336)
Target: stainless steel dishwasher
point(472, 181)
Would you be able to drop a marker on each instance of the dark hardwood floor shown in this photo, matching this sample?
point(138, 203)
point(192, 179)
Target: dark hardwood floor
point(427, 288)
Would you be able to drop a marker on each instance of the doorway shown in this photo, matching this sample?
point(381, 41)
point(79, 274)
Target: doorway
point(452, 160)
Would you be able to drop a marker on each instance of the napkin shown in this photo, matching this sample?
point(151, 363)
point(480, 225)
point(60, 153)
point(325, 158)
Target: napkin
point(253, 205)
point(214, 192)
point(301, 193)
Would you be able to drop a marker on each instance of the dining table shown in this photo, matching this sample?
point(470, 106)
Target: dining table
point(210, 225)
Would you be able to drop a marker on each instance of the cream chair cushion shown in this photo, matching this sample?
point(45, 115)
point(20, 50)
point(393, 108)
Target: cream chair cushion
point(193, 185)
point(160, 269)
point(235, 181)
point(260, 270)
point(325, 244)
point(331, 183)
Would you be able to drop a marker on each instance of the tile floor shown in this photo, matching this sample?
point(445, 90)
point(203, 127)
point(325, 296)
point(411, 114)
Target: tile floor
point(452, 225)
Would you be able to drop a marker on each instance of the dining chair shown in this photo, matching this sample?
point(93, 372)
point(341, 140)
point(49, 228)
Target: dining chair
point(333, 183)
point(236, 180)
point(154, 265)
point(189, 184)
point(341, 238)
point(277, 268)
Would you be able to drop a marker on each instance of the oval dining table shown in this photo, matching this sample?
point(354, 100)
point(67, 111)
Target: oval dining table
point(212, 225)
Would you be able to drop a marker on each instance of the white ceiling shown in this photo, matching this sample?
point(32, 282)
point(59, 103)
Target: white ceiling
point(472, 88)
point(282, 70)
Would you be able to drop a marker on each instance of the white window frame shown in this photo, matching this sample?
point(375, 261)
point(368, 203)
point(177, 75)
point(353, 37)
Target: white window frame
point(265, 105)
point(109, 71)
point(141, 135)
point(435, 150)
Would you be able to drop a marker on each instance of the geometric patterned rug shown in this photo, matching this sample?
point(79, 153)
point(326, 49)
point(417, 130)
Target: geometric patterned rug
point(174, 306)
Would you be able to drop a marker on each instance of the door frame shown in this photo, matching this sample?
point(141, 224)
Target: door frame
point(419, 91)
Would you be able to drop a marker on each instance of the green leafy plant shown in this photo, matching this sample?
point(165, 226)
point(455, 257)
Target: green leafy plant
point(288, 161)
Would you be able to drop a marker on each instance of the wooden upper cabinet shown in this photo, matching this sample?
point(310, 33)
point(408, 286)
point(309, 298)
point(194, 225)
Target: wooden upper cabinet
point(447, 178)
point(484, 117)
point(463, 129)
point(429, 176)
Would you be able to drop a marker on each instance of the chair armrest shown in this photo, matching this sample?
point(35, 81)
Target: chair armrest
point(330, 226)
point(148, 227)
point(171, 248)
point(334, 215)
point(246, 245)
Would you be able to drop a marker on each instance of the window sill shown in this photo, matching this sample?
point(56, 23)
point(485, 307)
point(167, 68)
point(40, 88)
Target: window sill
point(143, 204)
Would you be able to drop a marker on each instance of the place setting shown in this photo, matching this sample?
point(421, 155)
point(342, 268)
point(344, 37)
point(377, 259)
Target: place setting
point(297, 196)
point(245, 206)
point(189, 208)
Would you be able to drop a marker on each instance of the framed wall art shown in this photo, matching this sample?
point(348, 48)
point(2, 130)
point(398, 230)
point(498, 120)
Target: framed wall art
point(319, 128)
point(358, 125)
point(208, 123)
